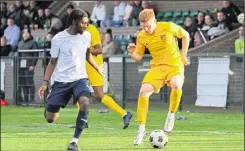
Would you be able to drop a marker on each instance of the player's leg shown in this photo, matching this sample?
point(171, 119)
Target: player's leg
point(111, 103)
point(176, 83)
point(97, 81)
point(59, 96)
point(152, 82)
point(82, 94)
point(81, 121)
point(108, 101)
point(146, 91)
point(78, 109)
point(51, 113)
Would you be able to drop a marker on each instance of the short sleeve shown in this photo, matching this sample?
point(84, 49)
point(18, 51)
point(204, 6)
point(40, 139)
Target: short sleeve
point(95, 37)
point(54, 48)
point(177, 30)
point(89, 41)
point(140, 48)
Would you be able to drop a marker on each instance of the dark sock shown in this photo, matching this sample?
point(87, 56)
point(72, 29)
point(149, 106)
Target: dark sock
point(81, 123)
point(45, 112)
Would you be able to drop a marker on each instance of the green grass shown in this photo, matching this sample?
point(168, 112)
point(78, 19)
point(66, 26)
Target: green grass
point(24, 129)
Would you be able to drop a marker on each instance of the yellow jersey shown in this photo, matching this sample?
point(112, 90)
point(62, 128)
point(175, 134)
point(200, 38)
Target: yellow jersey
point(95, 40)
point(95, 35)
point(94, 77)
point(162, 44)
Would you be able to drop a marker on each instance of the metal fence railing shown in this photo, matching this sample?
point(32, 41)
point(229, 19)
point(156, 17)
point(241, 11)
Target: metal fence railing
point(30, 66)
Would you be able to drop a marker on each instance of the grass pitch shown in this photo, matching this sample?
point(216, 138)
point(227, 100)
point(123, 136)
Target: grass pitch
point(24, 129)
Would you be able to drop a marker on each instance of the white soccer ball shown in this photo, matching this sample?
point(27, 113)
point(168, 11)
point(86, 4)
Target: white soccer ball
point(158, 139)
point(240, 18)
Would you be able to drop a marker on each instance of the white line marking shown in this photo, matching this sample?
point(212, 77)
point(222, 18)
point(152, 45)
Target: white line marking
point(111, 128)
point(179, 131)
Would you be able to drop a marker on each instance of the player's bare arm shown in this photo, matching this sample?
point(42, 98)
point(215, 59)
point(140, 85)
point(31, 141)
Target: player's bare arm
point(49, 71)
point(185, 46)
point(133, 53)
point(97, 50)
point(92, 62)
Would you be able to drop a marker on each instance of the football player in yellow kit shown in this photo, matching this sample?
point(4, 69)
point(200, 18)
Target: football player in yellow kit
point(166, 67)
point(97, 81)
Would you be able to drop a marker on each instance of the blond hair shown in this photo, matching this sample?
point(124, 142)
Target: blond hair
point(146, 14)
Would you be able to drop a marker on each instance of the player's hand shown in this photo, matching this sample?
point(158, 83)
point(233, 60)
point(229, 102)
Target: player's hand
point(131, 48)
point(42, 89)
point(185, 60)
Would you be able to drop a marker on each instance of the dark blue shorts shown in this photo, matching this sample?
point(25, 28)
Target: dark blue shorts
point(61, 93)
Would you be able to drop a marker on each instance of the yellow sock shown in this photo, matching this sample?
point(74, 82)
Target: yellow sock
point(175, 97)
point(110, 103)
point(78, 107)
point(143, 105)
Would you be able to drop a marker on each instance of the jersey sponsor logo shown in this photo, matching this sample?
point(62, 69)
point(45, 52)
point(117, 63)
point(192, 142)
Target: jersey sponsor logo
point(163, 37)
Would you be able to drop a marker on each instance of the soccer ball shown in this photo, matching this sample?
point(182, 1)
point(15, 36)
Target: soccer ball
point(158, 139)
point(240, 18)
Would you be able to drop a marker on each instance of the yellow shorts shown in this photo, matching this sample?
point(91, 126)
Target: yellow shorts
point(94, 78)
point(158, 76)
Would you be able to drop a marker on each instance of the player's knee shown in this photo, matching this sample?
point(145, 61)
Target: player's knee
point(176, 87)
point(49, 119)
point(84, 103)
point(99, 95)
point(99, 92)
point(177, 83)
point(146, 90)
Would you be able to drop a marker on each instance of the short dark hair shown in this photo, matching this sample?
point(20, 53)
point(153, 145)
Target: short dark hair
point(70, 6)
point(12, 18)
point(210, 16)
point(4, 3)
point(189, 17)
point(49, 8)
point(26, 30)
point(109, 31)
point(88, 15)
point(50, 33)
point(219, 11)
point(76, 15)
